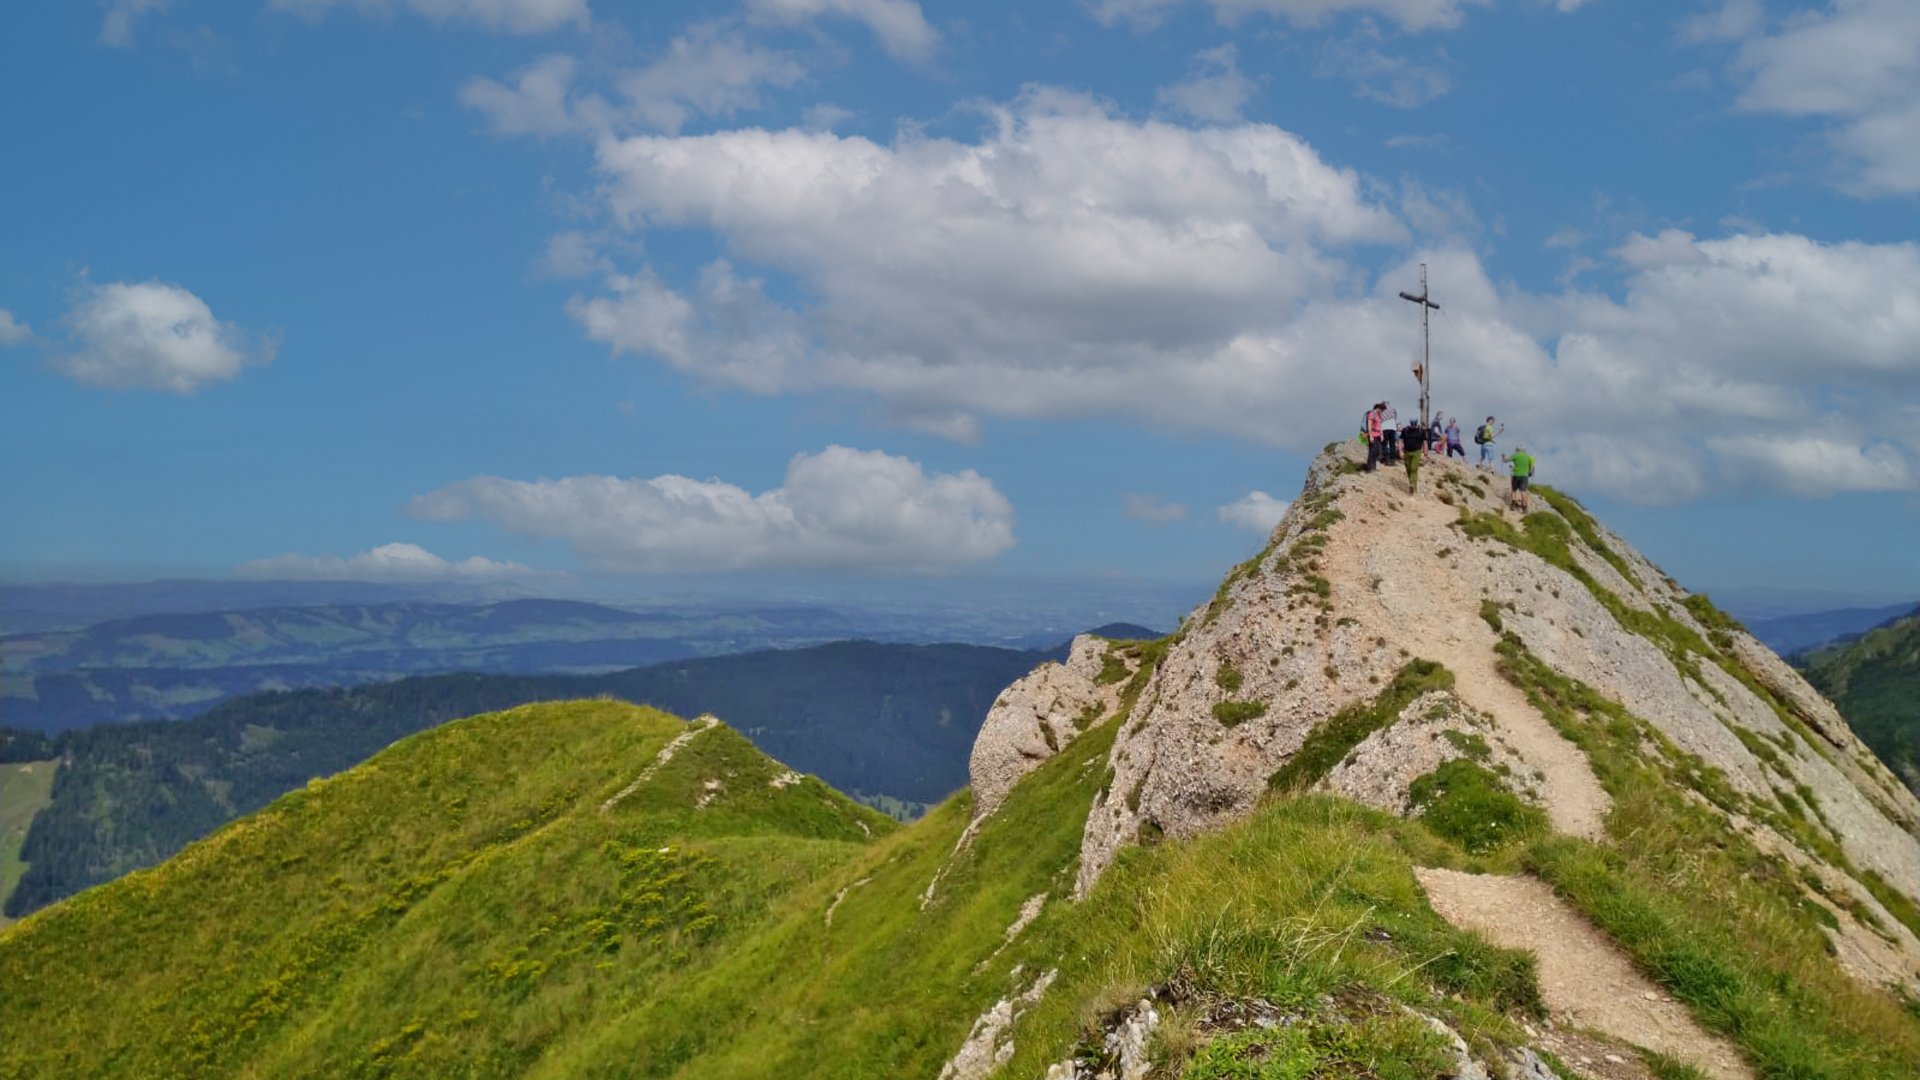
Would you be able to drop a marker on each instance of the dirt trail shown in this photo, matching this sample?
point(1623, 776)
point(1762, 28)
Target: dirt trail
point(1415, 588)
point(1586, 981)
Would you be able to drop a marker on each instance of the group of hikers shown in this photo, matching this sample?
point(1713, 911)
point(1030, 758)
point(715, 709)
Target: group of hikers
point(1388, 443)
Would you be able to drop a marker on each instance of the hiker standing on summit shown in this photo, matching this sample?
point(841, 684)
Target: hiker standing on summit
point(1413, 440)
point(1374, 445)
point(1453, 439)
point(1483, 437)
point(1522, 463)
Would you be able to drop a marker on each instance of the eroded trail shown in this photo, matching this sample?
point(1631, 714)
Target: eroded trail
point(1387, 544)
point(1586, 981)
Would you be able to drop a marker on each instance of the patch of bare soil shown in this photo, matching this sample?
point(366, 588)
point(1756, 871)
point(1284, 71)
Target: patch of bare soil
point(1587, 982)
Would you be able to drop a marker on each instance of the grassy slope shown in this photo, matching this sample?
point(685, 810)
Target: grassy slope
point(1875, 682)
point(455, 904)
point(25, 787)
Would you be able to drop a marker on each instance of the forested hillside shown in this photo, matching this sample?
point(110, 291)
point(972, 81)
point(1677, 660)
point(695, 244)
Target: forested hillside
point(1875, 682)
point(875, 720)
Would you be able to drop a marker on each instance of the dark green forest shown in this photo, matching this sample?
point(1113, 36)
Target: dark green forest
point(872, 719)
point(1874, 680)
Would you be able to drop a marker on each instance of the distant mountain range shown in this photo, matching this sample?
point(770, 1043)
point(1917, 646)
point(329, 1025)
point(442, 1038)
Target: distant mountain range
point(1791, 634)
point(69, 670)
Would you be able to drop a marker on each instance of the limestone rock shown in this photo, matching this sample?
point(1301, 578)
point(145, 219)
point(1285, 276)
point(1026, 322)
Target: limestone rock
point(1036, 717)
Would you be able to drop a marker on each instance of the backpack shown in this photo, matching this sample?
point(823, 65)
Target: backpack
point(1483, 436)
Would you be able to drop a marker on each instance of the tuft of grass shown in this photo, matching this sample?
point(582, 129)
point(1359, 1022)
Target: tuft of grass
point(1227, 677)
point(1466, 803)
point(1387, 1045)
point(1235, 713)
point(1329, 743)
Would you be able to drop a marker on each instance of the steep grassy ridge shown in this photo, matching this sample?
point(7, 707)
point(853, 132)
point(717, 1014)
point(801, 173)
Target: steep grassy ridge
point(454, 905)
point(874, 719)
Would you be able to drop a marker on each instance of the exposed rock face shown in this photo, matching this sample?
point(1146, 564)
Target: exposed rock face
point(1360, 580)
point(1036, 717)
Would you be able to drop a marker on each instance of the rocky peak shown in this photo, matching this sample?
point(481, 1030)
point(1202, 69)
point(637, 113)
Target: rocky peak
point(1383, 633)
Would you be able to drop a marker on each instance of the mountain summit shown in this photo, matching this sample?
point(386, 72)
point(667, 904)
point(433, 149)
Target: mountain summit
point(1428, 790)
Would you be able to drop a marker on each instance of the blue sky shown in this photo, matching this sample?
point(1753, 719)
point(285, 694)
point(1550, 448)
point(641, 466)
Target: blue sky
point(491, 289)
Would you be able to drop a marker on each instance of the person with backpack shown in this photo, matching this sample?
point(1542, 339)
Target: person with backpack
point(1483, 437)
point(1390, 435)
point(1453, 439)
point(1522, 465)
point(1372, 427)
point(1413, 440)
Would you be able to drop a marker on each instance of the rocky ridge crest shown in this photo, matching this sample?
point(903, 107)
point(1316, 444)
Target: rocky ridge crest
point(1382, 633)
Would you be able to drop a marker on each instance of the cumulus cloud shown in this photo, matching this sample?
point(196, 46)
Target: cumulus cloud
point(1037, 271)
point(1855, 64)
point(388, 562)
point(116, 27)
point(1410, 14)
point(1255, 510)
point(1215, 92)
point(840, 509)
point(151, 335)
point(899, 24)
point(511, 16)
point(1071, 262)
point(12, 330)
point(1153, 510)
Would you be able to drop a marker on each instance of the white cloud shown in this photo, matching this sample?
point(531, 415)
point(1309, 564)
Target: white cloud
point(1141, 14)
point(1857, 64)
point(388, 562)
point(1410, 14)
point(1731, 21)
point(1215, 92)
point(116, 27)
point(899, 24)
point(1402, 142)
point(1390, 80)
point(540, 102)
point(1153, 510)
point(571, 254)
point(1255, 510)
point(512, 16)
point(153, 336)
point(1812, 466)
point(1066, 253)
point(840, 509)
point(1070, 262)
point(12, 330)
point(711, 70)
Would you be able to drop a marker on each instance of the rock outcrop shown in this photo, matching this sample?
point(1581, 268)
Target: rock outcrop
point(1036, 717)
point(1383, 632)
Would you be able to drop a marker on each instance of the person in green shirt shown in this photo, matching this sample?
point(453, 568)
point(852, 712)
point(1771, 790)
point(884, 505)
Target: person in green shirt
point(1522, 464)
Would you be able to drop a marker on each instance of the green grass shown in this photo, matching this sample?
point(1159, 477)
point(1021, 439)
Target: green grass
point(1383, 1046)
point(1329, 743)
point(449, 907)
point(1235, 713)
point(1466, 803)
point(25, 787)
